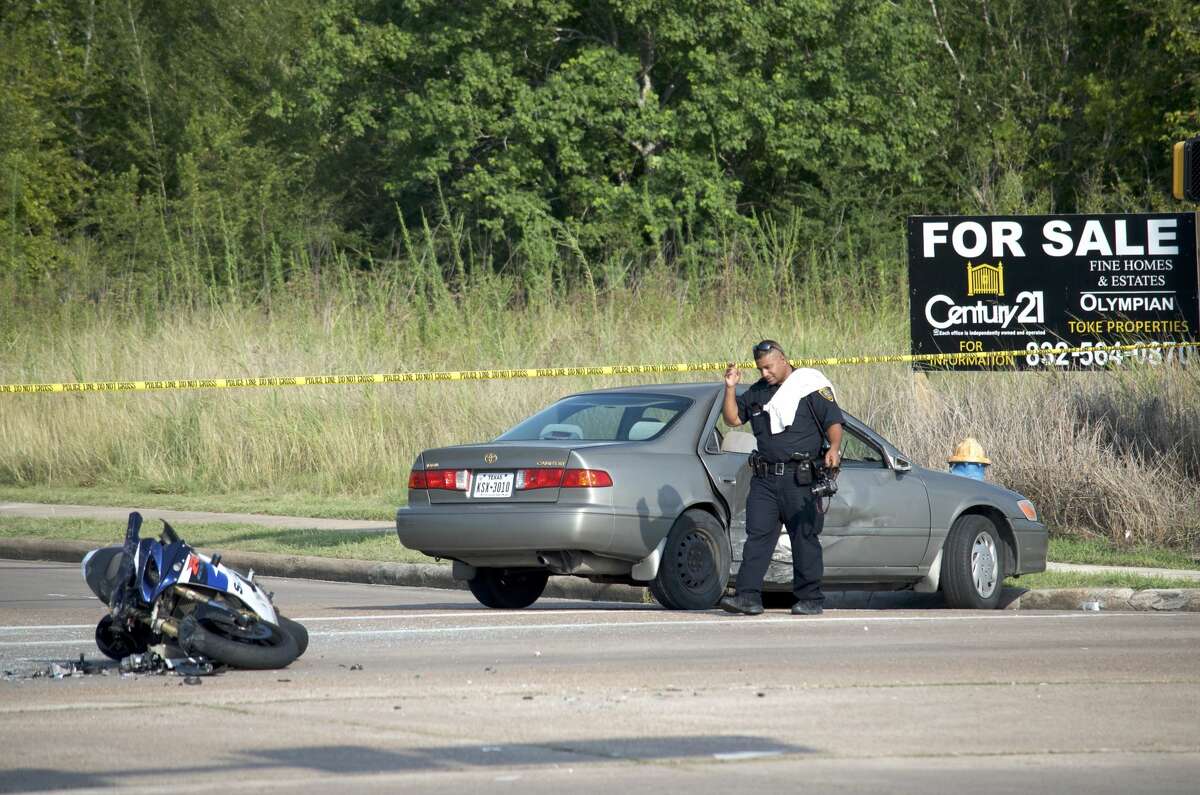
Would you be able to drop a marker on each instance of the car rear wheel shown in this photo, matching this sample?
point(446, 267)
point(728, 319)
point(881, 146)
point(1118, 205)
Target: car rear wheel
point(660, 595)
point(508, 589)
point(695, 565)
point(973, 564)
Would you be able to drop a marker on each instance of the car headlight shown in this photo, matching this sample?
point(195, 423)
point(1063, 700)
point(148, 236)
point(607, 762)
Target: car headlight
point(1027, 508)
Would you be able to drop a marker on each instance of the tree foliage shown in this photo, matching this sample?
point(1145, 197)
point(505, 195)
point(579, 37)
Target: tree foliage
point(230, 143)
point(616, 119)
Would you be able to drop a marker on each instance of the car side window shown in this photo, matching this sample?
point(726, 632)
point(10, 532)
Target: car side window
point(857, 452)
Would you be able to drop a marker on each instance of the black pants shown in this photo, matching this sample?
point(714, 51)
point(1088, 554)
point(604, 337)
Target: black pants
point(774, 499)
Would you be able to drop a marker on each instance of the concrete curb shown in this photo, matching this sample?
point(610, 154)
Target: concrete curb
point(1149, 600)
point(424, 575)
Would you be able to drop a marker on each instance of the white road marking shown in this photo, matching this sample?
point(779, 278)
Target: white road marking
point(729, 621)
point(737, 756)
point(666, 621)
point(73, 706)
point(472, 612)
point(476, 612)
point(19, 627)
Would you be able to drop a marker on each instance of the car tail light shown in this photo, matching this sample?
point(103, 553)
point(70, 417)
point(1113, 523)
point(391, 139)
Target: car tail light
point(556, 477)
point(443, 479)
point(586, 479)
point(545, 478)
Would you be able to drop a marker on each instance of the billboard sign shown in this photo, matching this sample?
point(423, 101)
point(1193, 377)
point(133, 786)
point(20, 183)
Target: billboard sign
point(1046, 284)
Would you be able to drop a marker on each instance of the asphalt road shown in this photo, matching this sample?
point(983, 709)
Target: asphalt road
point(423, 690)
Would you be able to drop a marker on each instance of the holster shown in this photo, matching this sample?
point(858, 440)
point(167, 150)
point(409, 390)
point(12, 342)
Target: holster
point(804, 473)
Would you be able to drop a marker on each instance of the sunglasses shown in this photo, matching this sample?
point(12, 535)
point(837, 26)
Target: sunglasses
point(763, 348)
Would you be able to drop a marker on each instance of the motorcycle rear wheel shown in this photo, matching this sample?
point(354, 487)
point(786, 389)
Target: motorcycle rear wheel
point(270, 647)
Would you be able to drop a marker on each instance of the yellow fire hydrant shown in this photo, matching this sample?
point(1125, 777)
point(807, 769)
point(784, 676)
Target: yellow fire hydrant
point(968, 459)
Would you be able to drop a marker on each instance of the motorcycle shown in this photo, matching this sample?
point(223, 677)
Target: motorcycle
point(165, 592)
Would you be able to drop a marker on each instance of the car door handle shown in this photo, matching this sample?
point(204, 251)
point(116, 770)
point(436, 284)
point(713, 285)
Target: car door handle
point(730, 481)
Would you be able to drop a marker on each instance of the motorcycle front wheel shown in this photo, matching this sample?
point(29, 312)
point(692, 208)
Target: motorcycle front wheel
point(261, 646)
point(117, 643)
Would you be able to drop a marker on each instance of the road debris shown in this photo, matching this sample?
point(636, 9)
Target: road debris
point(192, 666)
point(142, 663)
point(153, 663)
point(72, 668)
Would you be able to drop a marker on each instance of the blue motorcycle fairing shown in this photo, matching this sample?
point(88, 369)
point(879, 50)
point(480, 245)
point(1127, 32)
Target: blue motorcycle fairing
point(164, 560)
point(155, 567)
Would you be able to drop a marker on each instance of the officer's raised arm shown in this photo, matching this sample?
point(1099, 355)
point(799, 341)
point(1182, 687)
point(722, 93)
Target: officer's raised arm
point(729, 409)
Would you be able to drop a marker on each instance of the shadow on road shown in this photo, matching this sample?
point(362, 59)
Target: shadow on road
point(356, 759)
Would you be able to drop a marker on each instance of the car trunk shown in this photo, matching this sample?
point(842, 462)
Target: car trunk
point(495, 472)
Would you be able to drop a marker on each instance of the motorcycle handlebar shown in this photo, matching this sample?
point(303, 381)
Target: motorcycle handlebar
point(125, 573)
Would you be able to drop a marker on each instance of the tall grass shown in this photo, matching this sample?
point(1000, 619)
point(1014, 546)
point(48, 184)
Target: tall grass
point(1103, 454)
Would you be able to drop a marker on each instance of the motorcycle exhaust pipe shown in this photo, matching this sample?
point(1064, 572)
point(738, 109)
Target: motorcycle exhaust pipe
point(168, 627)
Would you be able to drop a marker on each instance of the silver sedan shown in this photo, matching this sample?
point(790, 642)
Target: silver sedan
point(647, 485)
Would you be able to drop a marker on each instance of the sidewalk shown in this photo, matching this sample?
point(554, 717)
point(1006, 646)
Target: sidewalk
point(38, 510)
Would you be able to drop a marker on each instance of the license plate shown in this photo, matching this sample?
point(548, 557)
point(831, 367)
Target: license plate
point(493, 484)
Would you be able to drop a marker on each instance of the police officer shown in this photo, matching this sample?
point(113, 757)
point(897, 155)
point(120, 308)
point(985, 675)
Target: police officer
point(776, 494)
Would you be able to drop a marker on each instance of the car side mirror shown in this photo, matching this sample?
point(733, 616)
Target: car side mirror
point(901, 464)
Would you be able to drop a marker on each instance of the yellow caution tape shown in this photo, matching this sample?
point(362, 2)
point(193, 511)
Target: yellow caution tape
point(974, 358)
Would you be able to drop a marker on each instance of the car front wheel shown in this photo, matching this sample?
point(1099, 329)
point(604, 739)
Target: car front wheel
point(695, 564)
point(973, 564)
point(507, 588)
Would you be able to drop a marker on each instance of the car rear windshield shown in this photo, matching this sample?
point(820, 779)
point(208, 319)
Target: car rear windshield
point(610, 417)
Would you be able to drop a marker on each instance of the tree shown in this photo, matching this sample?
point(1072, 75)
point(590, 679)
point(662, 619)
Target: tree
point(613, 121)
point(1072, 95)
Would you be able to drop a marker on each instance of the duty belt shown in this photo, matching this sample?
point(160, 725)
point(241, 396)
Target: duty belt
point(766, 468)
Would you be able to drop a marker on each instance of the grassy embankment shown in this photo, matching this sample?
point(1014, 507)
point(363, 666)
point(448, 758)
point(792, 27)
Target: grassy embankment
point(1113, 456)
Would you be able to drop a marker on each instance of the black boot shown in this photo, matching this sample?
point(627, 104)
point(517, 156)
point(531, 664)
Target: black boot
point(807, 607)
point(746, 603)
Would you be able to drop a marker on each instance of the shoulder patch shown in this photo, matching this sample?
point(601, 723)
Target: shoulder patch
point(826, 393)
